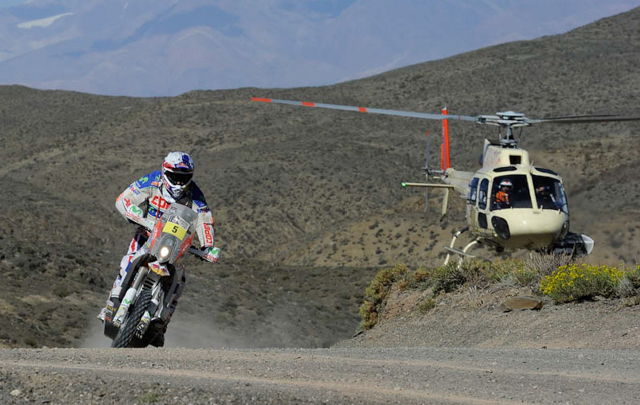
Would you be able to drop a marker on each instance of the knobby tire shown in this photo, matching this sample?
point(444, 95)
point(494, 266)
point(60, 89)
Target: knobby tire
point(128, 328)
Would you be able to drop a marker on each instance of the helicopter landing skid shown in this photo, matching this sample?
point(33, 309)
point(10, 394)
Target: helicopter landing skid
point(462, 253)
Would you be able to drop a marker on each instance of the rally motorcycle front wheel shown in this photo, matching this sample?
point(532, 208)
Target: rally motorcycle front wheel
point(128, 328)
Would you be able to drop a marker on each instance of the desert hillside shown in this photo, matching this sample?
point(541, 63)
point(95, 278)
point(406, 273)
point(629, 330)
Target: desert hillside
point(307, 202)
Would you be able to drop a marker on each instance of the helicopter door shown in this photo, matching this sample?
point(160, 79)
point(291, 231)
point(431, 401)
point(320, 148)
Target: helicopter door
point(472, 198)
point(482, 203)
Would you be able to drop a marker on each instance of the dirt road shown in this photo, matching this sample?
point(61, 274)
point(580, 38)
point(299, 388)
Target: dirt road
point(344, 375)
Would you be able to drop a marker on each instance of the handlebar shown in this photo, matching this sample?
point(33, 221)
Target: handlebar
point(204, 255)
point(196, 252)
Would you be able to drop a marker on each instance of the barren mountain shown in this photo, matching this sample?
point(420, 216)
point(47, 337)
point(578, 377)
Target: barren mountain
point(167, 47)
point(307, 202)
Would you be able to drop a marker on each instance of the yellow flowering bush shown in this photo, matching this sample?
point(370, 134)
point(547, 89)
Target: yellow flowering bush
point(573, 282)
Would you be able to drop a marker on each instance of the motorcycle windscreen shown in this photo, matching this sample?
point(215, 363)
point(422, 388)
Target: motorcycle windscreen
point(178, 225)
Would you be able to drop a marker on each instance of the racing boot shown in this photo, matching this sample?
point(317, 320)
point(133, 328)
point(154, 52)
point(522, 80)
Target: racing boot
point(107, 313)
point(158, 328)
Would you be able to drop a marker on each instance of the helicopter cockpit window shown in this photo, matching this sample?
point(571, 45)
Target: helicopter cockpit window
point(473, 191)
point(510, 192)
point(482, 194)
point(550, 194)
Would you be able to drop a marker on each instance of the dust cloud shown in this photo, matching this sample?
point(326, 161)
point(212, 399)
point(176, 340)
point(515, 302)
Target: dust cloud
point(185, 331)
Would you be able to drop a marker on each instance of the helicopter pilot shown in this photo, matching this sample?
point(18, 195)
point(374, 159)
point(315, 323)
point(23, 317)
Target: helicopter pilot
point(545, 198)
point(503, 196)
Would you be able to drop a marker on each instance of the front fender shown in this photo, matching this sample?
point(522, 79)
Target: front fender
point(160, 269)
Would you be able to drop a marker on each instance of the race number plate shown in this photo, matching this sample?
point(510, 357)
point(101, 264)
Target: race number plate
point(175, 230)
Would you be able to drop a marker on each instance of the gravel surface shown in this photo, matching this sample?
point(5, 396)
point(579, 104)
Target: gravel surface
point(336, 375)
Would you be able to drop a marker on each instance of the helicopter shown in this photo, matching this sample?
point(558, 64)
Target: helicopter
point(510, 203)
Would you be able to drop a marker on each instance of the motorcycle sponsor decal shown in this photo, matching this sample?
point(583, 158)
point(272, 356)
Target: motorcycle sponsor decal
point(127, 203)
point(132, 217)
point(159, 203)
point(159, 269)
point(175, 230)
point(108, 316)
point(185, 245)
point(142, 180)
point(157, 230)
point(133, 209)
point(157, 179)
point(202, 206)
point(208, 234)
point(151, 179)
point(204, 210)
point(134, 190)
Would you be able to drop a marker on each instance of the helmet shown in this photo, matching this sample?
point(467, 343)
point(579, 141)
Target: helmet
point(177, 171)
point(506, 183)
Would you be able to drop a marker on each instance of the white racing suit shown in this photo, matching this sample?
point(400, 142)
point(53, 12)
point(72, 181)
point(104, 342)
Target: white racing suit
point(143, 202)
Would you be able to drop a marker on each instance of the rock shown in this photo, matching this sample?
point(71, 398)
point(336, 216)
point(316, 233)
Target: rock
point(15, 393)
point(521, 303)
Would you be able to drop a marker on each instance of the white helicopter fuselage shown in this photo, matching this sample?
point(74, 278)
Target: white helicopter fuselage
point(536, 214)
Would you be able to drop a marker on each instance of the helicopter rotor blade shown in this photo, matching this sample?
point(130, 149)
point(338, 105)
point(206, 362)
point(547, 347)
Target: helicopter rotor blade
point(411, 114)
point(579, 116)
point(507, 119)
point(584, 119)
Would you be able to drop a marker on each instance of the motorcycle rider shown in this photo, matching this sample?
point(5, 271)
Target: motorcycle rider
point(145, 200)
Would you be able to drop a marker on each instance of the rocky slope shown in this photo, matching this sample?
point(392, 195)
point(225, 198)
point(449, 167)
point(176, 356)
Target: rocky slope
point(307, 202)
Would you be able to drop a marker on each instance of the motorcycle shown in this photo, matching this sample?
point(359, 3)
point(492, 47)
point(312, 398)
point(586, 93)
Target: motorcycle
point(139, 316)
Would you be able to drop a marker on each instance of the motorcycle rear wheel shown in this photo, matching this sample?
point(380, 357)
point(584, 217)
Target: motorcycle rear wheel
point(128, 328)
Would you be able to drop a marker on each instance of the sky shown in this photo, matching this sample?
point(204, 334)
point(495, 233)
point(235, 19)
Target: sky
point(6, 3)
point(167, 47)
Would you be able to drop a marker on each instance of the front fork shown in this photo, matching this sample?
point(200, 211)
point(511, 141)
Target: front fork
point(165, 294)
point(162, 304)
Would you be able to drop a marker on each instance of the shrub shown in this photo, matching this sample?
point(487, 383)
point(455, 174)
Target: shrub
point(377, 291)
point(633, 275)
point(629, 284)
point(31, 341)
point(421, 279)
point(427, 305)
point(565, 283)
point(448, 278)
point(544, 264)
point(61, 291)
point(149, 398)
point(526, 276)
point(573, 282)
point(625, 288)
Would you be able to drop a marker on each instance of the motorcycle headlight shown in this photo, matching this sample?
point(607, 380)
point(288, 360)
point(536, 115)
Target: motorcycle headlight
point(164, 252)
